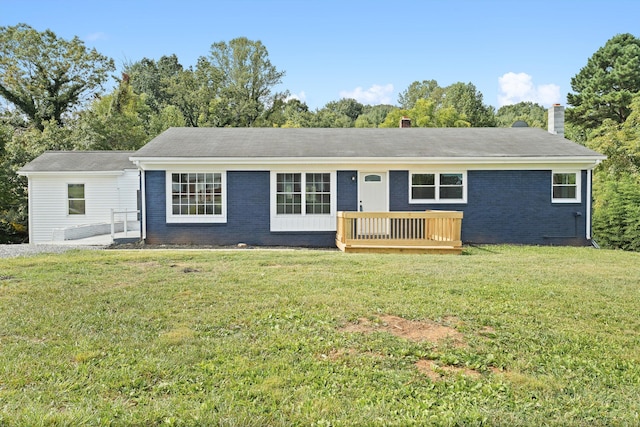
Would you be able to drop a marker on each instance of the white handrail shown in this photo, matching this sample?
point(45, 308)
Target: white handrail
point(126, 213)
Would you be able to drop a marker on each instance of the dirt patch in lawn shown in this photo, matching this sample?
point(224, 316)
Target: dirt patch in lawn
point(412, 330)
point(437, 372)
point(418, 331)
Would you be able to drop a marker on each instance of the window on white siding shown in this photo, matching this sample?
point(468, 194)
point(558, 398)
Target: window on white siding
point(437, 187)
point(565, 187)
point(289, 193)
point(196, 197)
point(318, 193)
point(76, 199)
point(303, 201)
point(316, 197)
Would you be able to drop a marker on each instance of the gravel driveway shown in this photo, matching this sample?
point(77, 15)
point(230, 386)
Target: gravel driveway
point(10, 251)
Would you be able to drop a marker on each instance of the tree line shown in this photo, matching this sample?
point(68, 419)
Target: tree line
point(54, 100)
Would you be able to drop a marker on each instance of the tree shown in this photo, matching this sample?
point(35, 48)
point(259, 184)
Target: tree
point(151, 78)
point(19, 148)
point(45, 76)
point(468, 101)
point(191, 94)
point(464, 98)
point(619, 142)
point(604, 88)
point(341, 114)
point(426, 89)
point(534, 114)
point(286, 112)
point(247, 78)
point(167, 83)
point(616, 219)
point(373, 115)
point(118, 121)
point(425, 113)
point(616, 215)
point(347, 106)
point(327, 118)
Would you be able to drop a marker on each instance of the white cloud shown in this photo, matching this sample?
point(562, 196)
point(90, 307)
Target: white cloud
point(96, 36)
point(376, 94)
point(519, 87)
point(301, 96)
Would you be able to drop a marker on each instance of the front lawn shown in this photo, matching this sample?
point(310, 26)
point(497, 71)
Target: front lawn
point(501, 335)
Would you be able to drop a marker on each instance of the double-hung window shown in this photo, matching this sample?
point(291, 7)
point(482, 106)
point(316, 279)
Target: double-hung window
point(565, 187)
point(196, 197)
point(437, 187)
point(315, 199)
point(289, 193)
point(303, 201)
point(76, 199)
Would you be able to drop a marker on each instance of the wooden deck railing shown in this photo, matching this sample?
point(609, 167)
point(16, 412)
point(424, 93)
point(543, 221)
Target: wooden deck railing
point(399, 229)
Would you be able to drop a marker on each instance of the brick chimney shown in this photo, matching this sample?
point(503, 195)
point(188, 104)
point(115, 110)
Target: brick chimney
point(405, 122)
point(556, 120)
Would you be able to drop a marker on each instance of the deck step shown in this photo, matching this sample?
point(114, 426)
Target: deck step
point(453, 250)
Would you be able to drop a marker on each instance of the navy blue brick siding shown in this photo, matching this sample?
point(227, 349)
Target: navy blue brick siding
point(507, 207)
point(248, 214)
point(347, 190)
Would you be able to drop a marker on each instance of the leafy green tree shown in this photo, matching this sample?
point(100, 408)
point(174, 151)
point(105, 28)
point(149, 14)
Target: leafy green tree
point(247, 78)
point(449, 117)
point(616, 215)
point(604, 88)
point(19, 148)
point(151, 78)
point(392, 120)
point(346, 106)
point(169, 116)
point(373, 115)
point(465, 100)
point(167, 83)
point(46, 76)
point(189, 91)
point(11, 227)
point(342, 114)
point(425, 113)
point(468, 102)
point(616, 188)
point(534, 114)
point(286, 112)
point(619, 142)
point(118, 121)
point(326, 118)
point(426, 89)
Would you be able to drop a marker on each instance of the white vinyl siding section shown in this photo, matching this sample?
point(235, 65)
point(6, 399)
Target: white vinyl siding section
point(303, 221)
point(49, 203)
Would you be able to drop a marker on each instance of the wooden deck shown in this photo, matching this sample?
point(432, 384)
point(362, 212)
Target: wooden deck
point(400, 232)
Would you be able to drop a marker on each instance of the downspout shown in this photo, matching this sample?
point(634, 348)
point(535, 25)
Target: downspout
point(589, 201)
point(143, 204)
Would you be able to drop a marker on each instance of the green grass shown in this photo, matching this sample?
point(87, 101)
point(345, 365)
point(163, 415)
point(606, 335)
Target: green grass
point(255, 338)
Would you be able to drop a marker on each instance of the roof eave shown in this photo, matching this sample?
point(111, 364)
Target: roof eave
point(230, 161)
point(80, 172)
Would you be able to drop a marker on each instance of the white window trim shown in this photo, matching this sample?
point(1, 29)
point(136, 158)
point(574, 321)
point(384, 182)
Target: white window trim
point(84, 187)
point(303, 221)
point(194, 219)
point(437, 200)
point(578, 198)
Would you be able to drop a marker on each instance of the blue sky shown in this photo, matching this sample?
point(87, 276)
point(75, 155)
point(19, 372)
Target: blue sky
point(370, 50)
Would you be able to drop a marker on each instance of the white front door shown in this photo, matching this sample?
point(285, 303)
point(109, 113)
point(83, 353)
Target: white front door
point(372, 192)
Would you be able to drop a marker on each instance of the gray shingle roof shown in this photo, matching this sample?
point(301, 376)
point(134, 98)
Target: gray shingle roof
point(79, 161)
point(361, 143)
